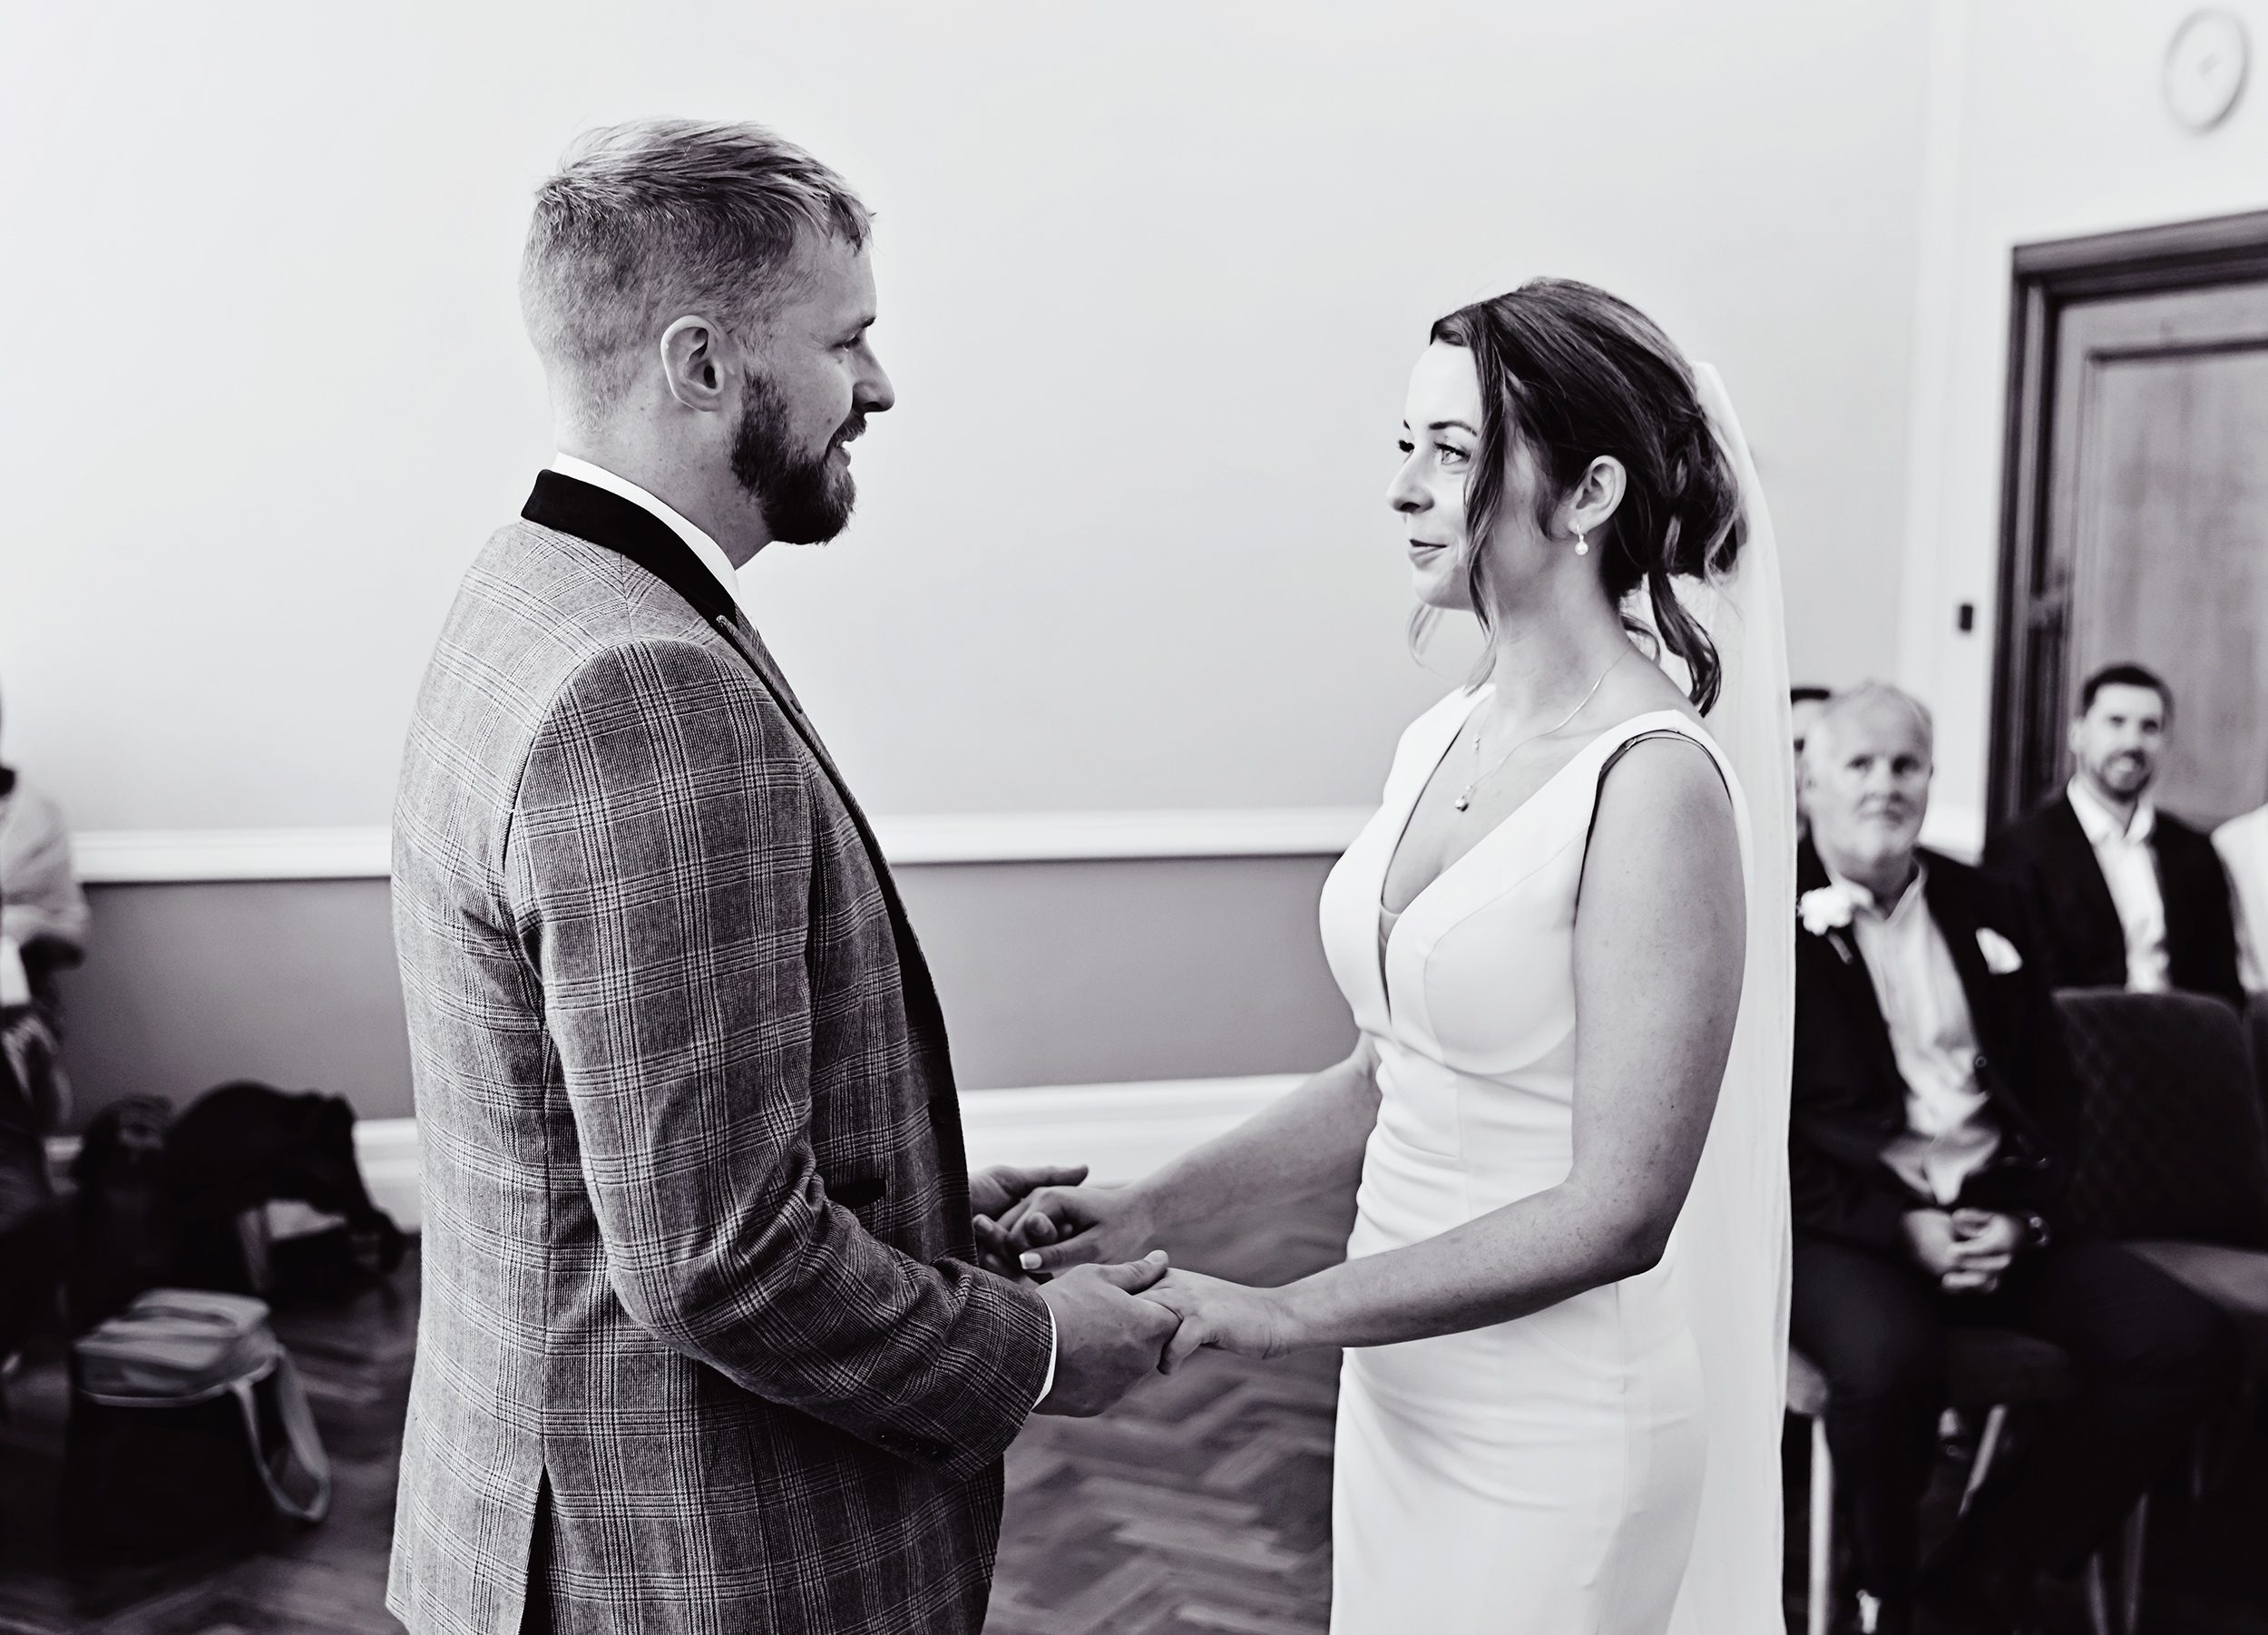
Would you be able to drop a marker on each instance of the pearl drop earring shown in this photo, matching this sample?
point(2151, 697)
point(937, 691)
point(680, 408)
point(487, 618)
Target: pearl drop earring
point(1582, 545)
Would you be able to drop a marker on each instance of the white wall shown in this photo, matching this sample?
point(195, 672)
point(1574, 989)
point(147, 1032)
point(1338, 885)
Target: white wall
point(1151, 277)
point(2046, 121)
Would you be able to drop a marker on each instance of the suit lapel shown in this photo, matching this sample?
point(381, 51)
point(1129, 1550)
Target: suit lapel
point(2181, 934)
point(1852, 978)
point(1860, 999)
point(1958, 924)
point(629, 530)
point(2078, 865)
point(923, 1006)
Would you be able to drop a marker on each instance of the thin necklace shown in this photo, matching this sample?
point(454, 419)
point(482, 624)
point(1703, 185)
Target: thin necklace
point(1464, 801)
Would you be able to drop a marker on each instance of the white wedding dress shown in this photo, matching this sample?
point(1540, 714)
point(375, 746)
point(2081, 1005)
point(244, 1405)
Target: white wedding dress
point(1542, 1474)
point(1608, 1465)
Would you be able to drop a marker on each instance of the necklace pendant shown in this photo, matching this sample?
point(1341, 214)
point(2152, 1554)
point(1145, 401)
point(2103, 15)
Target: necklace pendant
point(1464, 802)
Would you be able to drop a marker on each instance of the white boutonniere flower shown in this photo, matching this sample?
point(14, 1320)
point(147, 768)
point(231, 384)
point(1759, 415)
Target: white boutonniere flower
point(2001, 956)
point(1829, 908)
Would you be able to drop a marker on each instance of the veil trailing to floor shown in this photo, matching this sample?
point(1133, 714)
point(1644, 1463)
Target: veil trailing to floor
point(1733, 1237)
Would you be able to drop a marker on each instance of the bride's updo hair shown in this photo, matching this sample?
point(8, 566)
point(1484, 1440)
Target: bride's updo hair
point(1575, 373)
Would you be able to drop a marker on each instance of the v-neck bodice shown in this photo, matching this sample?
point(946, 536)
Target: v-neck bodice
point(1468, 995)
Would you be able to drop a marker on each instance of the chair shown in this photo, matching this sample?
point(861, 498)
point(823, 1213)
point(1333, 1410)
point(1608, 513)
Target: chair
point(2174, 1147)
point(2256, 1019)
point(2174, 1154)
point(1994, 1369)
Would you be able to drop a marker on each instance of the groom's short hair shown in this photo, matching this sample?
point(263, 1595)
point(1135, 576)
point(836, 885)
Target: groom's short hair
point(645, 222)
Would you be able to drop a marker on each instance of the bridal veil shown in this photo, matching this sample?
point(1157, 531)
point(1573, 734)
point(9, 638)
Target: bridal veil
point(1734, 1235)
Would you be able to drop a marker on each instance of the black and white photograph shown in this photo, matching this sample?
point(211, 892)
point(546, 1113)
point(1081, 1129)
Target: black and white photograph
point(1272, 818)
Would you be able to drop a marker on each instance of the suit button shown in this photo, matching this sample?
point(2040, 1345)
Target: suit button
point(1981, 1063)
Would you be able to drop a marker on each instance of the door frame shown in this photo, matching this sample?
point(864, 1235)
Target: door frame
point(2047, 278)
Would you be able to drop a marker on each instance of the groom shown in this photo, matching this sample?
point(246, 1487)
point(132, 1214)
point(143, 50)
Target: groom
point(703, 1347)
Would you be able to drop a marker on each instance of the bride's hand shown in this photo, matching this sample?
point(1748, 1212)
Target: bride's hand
point(1057, 1228)
point(1227, 1317)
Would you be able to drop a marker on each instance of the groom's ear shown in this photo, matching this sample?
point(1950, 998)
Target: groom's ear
point(693, 353)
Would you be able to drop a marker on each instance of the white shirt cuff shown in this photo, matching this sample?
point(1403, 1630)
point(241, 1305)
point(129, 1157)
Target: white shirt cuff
point(1048, 1384)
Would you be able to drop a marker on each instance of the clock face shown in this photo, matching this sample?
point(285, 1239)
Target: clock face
point(2204, 68)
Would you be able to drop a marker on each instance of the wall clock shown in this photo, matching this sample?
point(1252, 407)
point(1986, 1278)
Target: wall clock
point(2205, 67)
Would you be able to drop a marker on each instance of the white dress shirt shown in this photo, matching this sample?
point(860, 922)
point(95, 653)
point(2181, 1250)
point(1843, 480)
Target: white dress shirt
point(2242, 843)
point(714, 559)
point(1949, 1133)
point(2129, 865)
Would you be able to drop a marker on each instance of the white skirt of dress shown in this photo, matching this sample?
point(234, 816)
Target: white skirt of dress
point(1541, 1477)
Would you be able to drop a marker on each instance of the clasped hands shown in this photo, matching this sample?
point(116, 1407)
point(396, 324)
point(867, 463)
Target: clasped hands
point(1966, 1251)
point(1119, 1308)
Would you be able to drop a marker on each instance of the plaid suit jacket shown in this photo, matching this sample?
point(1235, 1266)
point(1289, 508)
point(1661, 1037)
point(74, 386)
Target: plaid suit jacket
point(696, 1233)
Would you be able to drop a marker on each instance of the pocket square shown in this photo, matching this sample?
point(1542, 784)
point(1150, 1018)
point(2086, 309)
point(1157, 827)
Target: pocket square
point(2001, 956)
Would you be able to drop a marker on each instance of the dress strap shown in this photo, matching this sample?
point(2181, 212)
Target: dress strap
point(1633, 741)
point(1616, 755)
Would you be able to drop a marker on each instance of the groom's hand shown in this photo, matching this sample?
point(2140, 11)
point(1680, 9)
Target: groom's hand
point(1106, 1337)
point(994, 1192)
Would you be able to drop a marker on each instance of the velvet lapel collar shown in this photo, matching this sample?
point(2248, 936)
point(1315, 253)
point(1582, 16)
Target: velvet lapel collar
point(629, 530)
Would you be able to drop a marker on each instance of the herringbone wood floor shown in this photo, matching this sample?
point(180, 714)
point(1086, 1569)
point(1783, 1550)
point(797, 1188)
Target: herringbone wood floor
point(1202, 1503)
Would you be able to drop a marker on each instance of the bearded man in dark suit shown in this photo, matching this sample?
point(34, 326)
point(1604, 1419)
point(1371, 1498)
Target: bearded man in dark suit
point(2121, 892)
point(704, 1346)
point(1932, 1123)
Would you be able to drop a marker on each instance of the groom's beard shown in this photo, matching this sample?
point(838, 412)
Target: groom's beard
point(804, 501)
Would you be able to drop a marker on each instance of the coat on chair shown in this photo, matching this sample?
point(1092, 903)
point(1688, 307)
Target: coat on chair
point(700, 1331)
point(1849, 1098)
point(2048, 858)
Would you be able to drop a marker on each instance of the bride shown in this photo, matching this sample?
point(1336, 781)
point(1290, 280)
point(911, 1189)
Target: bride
point(1565, 937)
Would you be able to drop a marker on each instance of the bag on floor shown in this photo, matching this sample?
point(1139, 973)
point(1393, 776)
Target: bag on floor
point(187, 1425)
point(240, 1149)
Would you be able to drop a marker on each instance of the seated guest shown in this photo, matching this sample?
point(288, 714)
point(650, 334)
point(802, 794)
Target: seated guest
point(2242, 843)
point(43, 928)
point(1803, 705)
point(2120, 893)
point(1931, 1122)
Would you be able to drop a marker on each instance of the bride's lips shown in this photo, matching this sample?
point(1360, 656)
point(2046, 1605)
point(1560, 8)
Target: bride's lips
point(1424, 550)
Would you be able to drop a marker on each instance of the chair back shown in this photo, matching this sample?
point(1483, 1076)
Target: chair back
point(2172, 1140)
point(2256, 1015)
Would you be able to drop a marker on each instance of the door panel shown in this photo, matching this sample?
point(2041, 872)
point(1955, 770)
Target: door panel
point(2157, 525)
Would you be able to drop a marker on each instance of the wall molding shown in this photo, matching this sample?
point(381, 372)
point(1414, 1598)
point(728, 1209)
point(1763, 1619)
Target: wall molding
point(1122, 1131)
point(169, 856)
point(166, 857)
point(174, 856)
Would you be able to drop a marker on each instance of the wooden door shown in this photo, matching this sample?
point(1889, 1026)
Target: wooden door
point(2138, 516)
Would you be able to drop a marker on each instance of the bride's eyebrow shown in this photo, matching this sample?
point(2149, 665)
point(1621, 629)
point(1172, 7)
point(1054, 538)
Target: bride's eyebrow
point(1443, 425)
